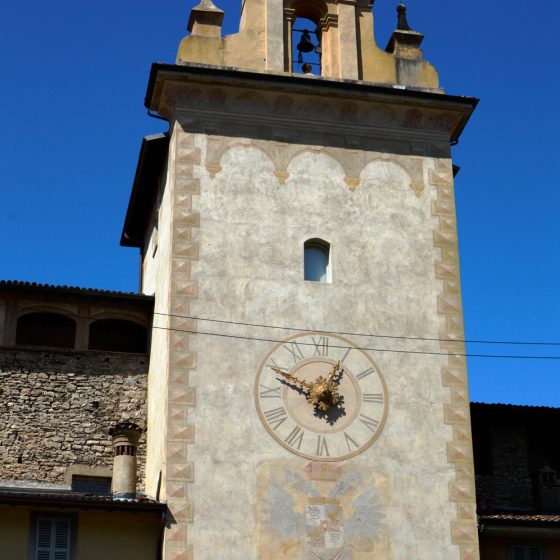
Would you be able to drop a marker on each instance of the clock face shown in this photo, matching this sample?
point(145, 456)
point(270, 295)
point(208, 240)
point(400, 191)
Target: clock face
point(321, 397)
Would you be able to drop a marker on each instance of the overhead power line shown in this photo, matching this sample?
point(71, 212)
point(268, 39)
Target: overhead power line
point(394, 337)
point(394, 351)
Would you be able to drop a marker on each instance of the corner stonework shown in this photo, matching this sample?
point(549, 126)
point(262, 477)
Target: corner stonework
point(181, 396)
point(454, 374)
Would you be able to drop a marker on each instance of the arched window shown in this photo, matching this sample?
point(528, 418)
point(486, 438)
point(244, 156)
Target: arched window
point(117, 335)
point(45, 329)
point(316, 260)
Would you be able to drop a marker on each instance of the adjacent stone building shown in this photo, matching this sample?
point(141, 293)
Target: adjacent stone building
point(73, 364)
point(517, 465)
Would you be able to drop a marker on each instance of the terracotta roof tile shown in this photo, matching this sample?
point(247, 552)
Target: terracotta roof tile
point(70, 289)
point(520, 518)
point(511, 406)
point(77, 499)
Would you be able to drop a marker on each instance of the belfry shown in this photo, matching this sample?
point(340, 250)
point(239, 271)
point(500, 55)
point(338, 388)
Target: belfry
point(307, 394)
point(344, 29)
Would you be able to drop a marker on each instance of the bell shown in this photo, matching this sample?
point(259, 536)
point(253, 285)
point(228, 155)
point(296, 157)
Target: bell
point(305, 45)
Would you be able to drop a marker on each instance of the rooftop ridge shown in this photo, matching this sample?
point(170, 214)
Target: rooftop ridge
point(71, 289)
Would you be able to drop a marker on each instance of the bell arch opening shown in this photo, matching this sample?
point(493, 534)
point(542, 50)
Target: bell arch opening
point(305, 34)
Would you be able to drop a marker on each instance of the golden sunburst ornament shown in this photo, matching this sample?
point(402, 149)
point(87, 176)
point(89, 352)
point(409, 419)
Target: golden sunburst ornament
point(321, 393)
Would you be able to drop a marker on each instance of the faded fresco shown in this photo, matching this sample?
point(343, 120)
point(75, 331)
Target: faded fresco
point(321, 511)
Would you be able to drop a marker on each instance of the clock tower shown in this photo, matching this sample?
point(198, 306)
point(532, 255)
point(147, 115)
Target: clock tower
point(308, 389)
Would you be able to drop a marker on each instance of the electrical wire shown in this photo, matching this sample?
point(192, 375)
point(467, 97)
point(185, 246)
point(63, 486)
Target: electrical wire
point(395, 351)
point(296, 329)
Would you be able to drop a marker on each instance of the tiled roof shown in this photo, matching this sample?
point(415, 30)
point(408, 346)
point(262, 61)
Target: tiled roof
point(69, 289)
point(520, 518)
point(512, 407)
point(75, 499)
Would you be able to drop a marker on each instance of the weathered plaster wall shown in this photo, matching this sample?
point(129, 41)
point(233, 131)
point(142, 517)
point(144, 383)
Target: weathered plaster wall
point(157, 278)
point(150, 260)
point(256, 173)
point(127, 536)
point(14, 532)
point(56, 409)
point(250, 269)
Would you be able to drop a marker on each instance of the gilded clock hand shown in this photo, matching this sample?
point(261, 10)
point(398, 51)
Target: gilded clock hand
point(293, 379)
point(335, 370)
point(322, 393)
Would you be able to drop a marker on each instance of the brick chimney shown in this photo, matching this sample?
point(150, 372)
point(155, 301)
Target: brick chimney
point(125, 441)
point(547, 489)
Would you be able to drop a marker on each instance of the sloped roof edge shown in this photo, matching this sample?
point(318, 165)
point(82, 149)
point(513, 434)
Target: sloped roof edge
point(153, 152)
point(36, 286)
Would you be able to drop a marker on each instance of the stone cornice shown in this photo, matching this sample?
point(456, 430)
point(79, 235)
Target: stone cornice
point(318, 99)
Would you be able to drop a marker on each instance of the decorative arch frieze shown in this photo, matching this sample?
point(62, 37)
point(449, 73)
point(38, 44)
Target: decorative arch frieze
point(320, 152)
point(353, 162)
point(218, 146)
point(280, 154)
point(413, 167)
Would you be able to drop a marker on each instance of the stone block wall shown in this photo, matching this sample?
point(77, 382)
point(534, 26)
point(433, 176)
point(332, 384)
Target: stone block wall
point(510, 485)
point(507, 454)
point(56, 408)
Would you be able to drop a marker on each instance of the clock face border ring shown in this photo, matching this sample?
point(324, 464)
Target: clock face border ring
point(279, 440)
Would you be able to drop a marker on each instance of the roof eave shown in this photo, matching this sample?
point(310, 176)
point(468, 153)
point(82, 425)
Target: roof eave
point(150, 161)
point(65, 501)
point(23, 286)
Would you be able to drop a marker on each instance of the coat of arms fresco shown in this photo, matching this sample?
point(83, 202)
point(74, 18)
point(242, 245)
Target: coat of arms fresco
point(321, 511)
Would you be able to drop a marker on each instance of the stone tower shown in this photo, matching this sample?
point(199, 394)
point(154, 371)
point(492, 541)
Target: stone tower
point(308, 391)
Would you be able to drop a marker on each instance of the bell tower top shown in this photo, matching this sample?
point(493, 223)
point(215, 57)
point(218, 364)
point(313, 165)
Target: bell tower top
point(277, 36)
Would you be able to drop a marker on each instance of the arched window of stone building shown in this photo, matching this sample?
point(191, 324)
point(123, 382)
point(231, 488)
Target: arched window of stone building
point(45, 329)
point(118, 335)
point(316, 256)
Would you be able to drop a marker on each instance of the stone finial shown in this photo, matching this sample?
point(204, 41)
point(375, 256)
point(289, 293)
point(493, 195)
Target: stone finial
point(402, 23)
point(405, 42)
point(206, 20)
point(125, 440)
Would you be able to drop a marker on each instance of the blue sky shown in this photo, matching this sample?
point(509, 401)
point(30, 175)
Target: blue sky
point(75, 75)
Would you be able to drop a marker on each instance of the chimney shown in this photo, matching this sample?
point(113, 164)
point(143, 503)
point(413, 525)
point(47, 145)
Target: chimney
point(546, 486)
point(125, 440)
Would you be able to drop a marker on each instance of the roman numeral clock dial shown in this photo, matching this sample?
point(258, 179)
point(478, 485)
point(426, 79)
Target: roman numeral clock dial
point(321, 397)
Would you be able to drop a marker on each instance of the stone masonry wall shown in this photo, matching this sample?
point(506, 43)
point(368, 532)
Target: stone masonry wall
point(509, 486)
point(56, 408)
